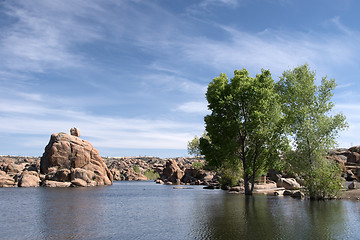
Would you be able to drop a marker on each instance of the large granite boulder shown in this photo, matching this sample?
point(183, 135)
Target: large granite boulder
point(6, 180)
point(29, 179)
point(172, 172)
point(68, 158)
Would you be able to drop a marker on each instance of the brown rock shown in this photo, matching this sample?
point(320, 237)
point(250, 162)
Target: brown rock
point(354, 185)
point(49, 183)
point(29, 179)
point(191, 175)
point(172, 172)
point(355, 149)
point(14, 168)
point(6, 180)
point(116, 174)
point(353, 157)
point(298, 194)
point(288, 183)
point(75, 132)
point(61, 175)
point(79, 182)
point(86, 175)
point(350, 176)
point(76, 155)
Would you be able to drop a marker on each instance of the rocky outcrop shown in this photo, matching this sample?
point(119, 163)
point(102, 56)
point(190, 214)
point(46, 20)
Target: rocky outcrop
point(172, 173)
point(193, 176)
point(68, 156)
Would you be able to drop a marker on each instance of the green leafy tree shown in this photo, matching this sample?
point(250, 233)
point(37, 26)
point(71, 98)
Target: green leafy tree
point(244, 127)
point(193, 146)
point(306, 108)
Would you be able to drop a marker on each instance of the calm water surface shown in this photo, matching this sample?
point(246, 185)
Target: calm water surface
point(144, 210)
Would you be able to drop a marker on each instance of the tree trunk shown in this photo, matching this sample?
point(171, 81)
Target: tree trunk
point(248, 191)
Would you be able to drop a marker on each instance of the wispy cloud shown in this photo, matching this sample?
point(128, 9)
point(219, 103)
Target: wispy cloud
point(194, 107)
point(43, 34)
point(231, 3)
point(33, 118)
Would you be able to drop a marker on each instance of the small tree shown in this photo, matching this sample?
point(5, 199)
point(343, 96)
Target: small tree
point(244, 125)
point(307, 108)
point(193, 146)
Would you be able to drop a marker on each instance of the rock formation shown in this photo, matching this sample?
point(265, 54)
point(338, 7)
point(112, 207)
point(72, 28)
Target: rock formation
point(172, 172)
point(69, 158)
point(75, 132)
point(6, 180)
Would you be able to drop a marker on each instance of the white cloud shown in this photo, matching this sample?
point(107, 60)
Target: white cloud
point(274, 50)
point(206, 3)
point(43, 34)
point(194, 107)
point(30, 117)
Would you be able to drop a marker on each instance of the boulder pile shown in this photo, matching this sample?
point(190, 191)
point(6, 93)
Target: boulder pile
point(69, 159)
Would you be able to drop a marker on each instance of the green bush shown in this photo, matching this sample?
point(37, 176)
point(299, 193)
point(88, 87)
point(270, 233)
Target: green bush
point(230, 177)
point(151, 175)
point(136, 169)
point(323, 181)
point(197, 165)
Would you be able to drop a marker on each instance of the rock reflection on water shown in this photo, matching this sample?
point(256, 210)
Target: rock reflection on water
point(144, 210)
point(71, 213)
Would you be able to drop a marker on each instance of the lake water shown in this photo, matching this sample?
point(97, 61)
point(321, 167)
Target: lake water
point(145, 210)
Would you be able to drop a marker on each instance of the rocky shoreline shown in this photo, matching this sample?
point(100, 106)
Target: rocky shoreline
point(69, 161)
point(14, 171)
point(19, 171)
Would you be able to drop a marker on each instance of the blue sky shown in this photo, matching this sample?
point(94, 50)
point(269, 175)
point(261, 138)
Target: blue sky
point(132, 74)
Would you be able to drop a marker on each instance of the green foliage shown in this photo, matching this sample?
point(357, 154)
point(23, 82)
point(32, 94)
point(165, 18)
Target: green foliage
point(193, 146)
point(323, 181)
point(244, 127)
point(136, 169)
point(306, 108)
point(197, 165)
point(230, 176)
point(151, 175)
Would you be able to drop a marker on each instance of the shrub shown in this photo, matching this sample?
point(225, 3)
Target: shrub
point(136, 169)
point(151, 175)
point(230, 177)
point(197, 165)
